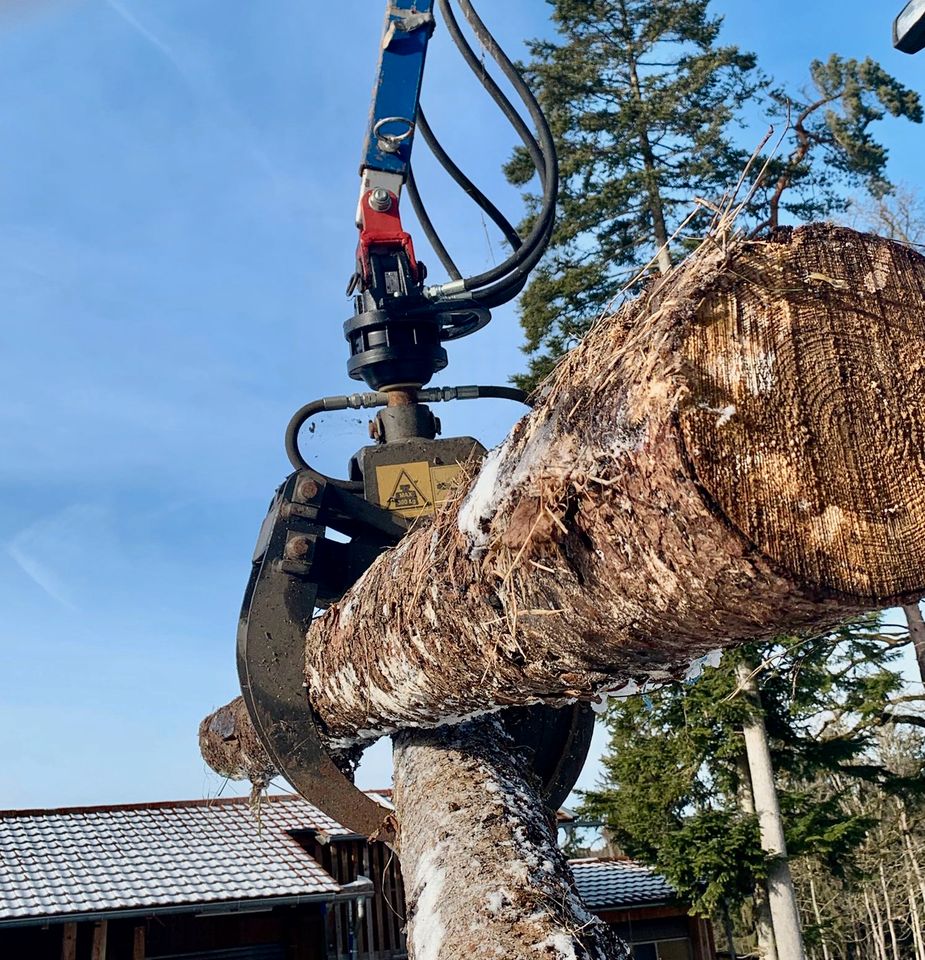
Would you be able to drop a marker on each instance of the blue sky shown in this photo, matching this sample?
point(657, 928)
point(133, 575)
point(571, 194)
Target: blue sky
point(177, 186)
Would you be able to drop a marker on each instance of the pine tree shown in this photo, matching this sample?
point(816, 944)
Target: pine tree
point(674, 775)
point(832, 150)
point(645, 104)
point(640, 95)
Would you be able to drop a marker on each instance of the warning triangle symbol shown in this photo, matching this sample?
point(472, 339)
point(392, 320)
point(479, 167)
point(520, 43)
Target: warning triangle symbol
point(407, 495)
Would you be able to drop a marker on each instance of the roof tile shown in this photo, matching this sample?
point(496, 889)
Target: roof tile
point(60, 862)
point(612, 884)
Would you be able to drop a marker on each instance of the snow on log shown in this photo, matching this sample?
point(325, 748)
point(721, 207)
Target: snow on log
point(736, 453)
point(483, 872)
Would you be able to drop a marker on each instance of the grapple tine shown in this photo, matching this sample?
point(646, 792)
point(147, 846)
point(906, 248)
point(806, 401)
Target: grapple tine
point(278, 608)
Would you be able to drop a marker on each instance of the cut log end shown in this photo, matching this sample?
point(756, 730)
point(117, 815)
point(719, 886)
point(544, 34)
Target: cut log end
point(805, 419)
point(229, 744)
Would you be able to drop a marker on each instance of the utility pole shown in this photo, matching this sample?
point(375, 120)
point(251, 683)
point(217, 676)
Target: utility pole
point(785, 915)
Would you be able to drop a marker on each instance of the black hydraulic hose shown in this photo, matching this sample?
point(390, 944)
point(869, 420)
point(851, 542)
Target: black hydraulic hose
point(299, 419)
point(505, 393)
point(534, 246)
point(427, 226)
point(446, 161)
point(541, 231)
point(497, 94)
point(512, 285)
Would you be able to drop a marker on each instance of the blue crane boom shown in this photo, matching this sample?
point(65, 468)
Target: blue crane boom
point(409, 26)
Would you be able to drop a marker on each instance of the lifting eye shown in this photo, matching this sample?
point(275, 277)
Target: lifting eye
point(391, 142)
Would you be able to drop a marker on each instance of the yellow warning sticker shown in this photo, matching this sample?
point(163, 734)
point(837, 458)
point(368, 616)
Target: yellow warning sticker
point(405, 488)
point(413, 489)
point(445, 481)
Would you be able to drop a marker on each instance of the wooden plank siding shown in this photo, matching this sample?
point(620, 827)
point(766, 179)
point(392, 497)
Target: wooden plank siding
point(69, 941)
point(100, 935)
point(379, 933)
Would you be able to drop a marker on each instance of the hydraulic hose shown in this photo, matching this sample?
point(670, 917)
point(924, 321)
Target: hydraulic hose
point(446, 161)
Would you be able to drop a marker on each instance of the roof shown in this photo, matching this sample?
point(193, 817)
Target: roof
point(385, 796)
point(166, 857)
point(618, 884)
point(55, 863)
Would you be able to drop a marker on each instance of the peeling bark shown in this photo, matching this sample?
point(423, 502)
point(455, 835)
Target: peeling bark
point(484, 874)
point(732, 455)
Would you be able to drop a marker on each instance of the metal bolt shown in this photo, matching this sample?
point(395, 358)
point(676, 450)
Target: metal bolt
point(381, 200)
point(307, 490)
point(298, 548)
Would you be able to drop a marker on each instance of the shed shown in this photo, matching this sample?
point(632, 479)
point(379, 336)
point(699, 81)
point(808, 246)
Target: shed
point(218, 880)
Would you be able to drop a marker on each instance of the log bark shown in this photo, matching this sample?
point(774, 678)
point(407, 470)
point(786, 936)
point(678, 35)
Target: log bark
point(738, 452)
point(483, 872)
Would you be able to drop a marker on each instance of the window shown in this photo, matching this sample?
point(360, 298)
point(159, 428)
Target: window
point(674, 950)
point(663, 950)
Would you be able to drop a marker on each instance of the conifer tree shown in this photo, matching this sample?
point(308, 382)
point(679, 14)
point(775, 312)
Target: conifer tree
point(640, 95)
point(645, 103)
point(674, 774)
point(831, 149)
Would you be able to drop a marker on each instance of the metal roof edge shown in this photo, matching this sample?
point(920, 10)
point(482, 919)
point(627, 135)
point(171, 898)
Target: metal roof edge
point(151, 805)
point(638, 905)
point(203, 907)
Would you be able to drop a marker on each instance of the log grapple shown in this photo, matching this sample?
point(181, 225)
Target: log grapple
point(322, 533)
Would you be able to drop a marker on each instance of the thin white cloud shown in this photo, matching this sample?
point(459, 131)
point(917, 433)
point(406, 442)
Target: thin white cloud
point(40, 574)
point(58, 550)
point(152, 38)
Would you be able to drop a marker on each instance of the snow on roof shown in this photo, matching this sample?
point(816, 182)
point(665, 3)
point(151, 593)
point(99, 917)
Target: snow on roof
point(80, 861)
point(55, 863)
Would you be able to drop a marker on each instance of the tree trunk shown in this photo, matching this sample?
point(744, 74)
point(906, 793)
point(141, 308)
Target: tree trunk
point(730, 457)
point(782, 899)
point(891, 922)
point(917, 635)
point(823, 937)
point(764, 927)
point(482, 868)
point(729, 933)
point(881, 930)
point(915, 922)
point(910, 848)
point(653, 187)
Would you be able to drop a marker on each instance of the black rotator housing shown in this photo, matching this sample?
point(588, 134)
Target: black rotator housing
point(394, 351)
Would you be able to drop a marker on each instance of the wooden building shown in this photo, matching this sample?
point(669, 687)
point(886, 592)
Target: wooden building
point(643, 909)
point(216, 880)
